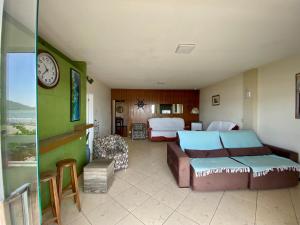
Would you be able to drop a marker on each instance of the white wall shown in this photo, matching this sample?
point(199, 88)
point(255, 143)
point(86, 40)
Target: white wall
point(270, 111)
point(250, 99)
point(276, 104)
point(102, 105)
point(231, 104)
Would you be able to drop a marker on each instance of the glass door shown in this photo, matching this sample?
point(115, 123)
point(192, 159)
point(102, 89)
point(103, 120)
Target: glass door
point(19, 159)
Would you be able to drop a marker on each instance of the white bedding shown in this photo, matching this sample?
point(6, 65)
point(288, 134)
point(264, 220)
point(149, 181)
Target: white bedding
point(166, 124)
point(221, 126)
point(165, 127)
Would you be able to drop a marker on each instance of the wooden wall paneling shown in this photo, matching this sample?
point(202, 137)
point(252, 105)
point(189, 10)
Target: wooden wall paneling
point(189, 99)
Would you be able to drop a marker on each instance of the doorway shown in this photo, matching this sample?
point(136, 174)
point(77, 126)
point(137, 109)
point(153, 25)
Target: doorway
point(120, 117)
point(90, 120)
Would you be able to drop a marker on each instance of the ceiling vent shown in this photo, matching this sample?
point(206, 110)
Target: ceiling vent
point(185, 48)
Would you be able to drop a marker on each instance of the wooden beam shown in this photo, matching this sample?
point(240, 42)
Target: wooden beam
point(81, 127)
point(49, 144)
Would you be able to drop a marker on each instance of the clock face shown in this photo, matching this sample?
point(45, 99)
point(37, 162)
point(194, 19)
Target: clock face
point(48, 72)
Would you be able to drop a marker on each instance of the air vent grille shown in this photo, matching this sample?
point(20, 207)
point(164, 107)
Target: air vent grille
point(185, 48)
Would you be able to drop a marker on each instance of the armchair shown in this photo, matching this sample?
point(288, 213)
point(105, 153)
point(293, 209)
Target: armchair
point(138, 131)
point(112, 147)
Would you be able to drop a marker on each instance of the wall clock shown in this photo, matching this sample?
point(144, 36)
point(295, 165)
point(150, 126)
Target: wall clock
point(48, 71)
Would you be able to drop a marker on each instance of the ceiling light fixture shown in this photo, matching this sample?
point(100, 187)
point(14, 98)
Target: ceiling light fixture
point(160, 83)
point(185, 48)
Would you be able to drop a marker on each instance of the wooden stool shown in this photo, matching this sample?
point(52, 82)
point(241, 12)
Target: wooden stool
point(61, 165)
point(54, 200)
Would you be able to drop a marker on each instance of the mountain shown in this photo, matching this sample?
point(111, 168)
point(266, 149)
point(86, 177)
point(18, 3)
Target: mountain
point(18, 106)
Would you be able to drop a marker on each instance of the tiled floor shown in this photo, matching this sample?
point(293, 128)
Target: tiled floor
point(146, 193)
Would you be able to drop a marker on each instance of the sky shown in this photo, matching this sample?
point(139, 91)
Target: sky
point(21, 78)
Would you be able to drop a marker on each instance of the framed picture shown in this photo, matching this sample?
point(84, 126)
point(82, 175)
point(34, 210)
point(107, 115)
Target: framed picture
point(75, 95)
point(215, 100)
point(119, 109)
point(298, 96)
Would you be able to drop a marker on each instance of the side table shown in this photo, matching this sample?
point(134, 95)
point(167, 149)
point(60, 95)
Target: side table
point(98, 175)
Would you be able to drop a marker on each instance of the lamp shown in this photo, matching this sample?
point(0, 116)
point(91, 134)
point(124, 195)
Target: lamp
point(195, 110)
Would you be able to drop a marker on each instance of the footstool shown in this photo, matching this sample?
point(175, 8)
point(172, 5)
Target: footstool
point(98, 175)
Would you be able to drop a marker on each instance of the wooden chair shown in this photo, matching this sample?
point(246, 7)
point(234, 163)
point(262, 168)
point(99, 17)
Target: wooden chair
point(61, 165)
point(119, 121)
point(54, 200)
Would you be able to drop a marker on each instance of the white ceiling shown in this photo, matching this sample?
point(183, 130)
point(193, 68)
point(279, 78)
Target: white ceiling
point(132, 43)
point(23, 11)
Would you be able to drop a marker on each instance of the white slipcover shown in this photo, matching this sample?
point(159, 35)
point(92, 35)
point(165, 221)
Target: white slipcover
point(165, 127)
point(221, 126)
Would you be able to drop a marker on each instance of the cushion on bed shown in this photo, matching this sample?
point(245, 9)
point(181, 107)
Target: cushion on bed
point(207, 166)
point(249, 151)
point(207, 153)
point(240, 139)
point(262, 165)
point(200, 140)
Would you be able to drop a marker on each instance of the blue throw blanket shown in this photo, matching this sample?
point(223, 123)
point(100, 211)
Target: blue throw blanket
point(263, 164)
point(200, 140)
point(207, 166)
point(240, 139)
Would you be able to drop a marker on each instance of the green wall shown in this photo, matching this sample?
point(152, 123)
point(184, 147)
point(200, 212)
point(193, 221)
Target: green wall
point(54, 117)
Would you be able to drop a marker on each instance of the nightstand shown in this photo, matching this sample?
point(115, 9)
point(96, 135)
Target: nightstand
point(196, 126)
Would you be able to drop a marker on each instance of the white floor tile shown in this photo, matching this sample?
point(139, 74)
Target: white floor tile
point(152, 212)
point(295, 195)
point(277, 200)
point(81, 220)
point(130, 176)
point(151, 185)
point(90, 201)
point(69, 211)
point(109, 213)
point(200, 206)
point(149, 191)
point(131, 198)
point(171, 195)
point(267, 216)
point(232, 203)
point(118, 186)
point(178, 219)
point(130, 220)
point(275, 207)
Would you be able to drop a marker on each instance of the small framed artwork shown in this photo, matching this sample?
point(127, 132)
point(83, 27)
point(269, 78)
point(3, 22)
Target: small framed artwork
point(75, 95)
point(215, 100)
point(298, 96)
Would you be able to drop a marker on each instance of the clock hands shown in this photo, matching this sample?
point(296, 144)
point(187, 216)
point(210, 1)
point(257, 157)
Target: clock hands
point(45, 68)
point(45, 71)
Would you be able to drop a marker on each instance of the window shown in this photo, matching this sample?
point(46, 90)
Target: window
point(20, 107)
point(165, 108)
point(153, 109)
